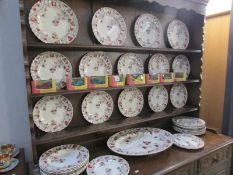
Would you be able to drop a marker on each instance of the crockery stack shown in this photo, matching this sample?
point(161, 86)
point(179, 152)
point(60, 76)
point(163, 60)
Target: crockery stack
point(189, 125)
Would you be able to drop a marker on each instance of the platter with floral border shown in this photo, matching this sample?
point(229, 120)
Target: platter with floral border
point(109, 26)
point(130, 102)
point(188, 141)
point(53, 21)
point(97, 107)
point(188, 122)
point(140, 141)
point(158, 64)
point(51, 65)
point(108, 165)
point(178, 95)
point(148, 31)
point(13, 164)
point(181, 65)
point(52, 113)
point(189, 131)
point(95, 64)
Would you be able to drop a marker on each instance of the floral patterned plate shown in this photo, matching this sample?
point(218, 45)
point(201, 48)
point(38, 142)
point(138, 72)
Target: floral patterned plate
point(95, 64)
point(109, 26)
point(97, 107)
point(51, 65)
point(13, 164)
point(196, 132)
point(148, 31)
point(140, 141)
point(158, 64)
point(178, 95)
point(52, 113)
point(53, 21)
point(188, 141)
point(130, 102)
point(158, 98)
point(189, 122)
point(178, 35)
point(64, 159)
point(129, 63)
point(108, 165)
point(181, 65)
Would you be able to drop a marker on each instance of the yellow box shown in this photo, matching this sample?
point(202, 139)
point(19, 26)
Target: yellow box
point(43, 86)
point(180, 76)
point(167, 78)
point(77, 83)
point(136, 79)
point(152, 79)
point(97, 82)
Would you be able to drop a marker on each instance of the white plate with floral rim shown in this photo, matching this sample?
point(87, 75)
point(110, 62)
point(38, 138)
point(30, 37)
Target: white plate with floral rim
point(130, 102)
point(178, 35)
point(97, 107)
point(53, 113)
point(130, 63)
point(181, 65)
point(140, 141)
point(13, 164)
point(178, 95)
point(196, 132)
point(158, 64)
point(108, 165)
point(95, 64)
point(109, 26)
point(51, 65)
point(53, 21)
point(158, 98)
point(189, 122)
point(188, 141)
point(64, 159)
point(148, 31)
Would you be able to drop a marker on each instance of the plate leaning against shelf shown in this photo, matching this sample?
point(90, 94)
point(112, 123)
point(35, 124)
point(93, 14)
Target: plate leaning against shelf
point(51, 65)
point(178, 95)
point(178, 35)
point(108, 165)
point(13, 164)
point(97, 107)
point(130, 63)
point(53, 21)
point(130, 102)
point(95, 64)
point(158, 64)
point(109, 26)
point(188, 141)
point(181, 65)
point(148, 31)
point(52, 113)
point(189, 122)
point(140, 141)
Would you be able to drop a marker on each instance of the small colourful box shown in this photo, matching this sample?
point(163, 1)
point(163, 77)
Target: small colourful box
point(180, 76)
point(43, 86)
point(136, 79)
point(167, 78)
point(76, 83)
point(117, 80)
point(97, 82)
point(152, 79)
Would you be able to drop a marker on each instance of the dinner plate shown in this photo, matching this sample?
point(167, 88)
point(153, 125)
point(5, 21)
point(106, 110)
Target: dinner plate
point(53, 21)
point(53, 113)
point(140, 141)
point(109, 26)
point(158, 98)
point(158, 64)
point(95, 64)
point(189, 122)
point(97, 107)
point(188, 141)
point(130, 63)
point(148, 31)
point(51, 65)
point(181, 65)
point(108, 165)
point(196, 132)
point(130, 102)
point(178, 95)
point(178, 35)
point(13, 164)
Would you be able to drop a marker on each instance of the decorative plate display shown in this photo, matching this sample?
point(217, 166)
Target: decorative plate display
point(109, 26)
point(129, 63)
point(178, 35)
point(181, 65)
point(51, 65)
point(53, 113)
point(95, 64)
point(13, 164)
point(189, 131)
point(97, 107)
point(53, 21)
point(108, 165)
point(188, 141)
point(158, 98)
point(148, 31)
point(178, 95)
point(130, 102)
point(140, 141)
point(158, 64)
point(189, 122)
point(63, 159)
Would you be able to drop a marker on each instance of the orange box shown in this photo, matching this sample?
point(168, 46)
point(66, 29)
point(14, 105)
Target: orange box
point(43, 86)
point(117, 80)
point(152, 79)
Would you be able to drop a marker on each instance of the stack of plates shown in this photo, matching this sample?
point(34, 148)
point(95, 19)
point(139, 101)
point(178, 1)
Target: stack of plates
point(189, 125)
point(64, 160)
